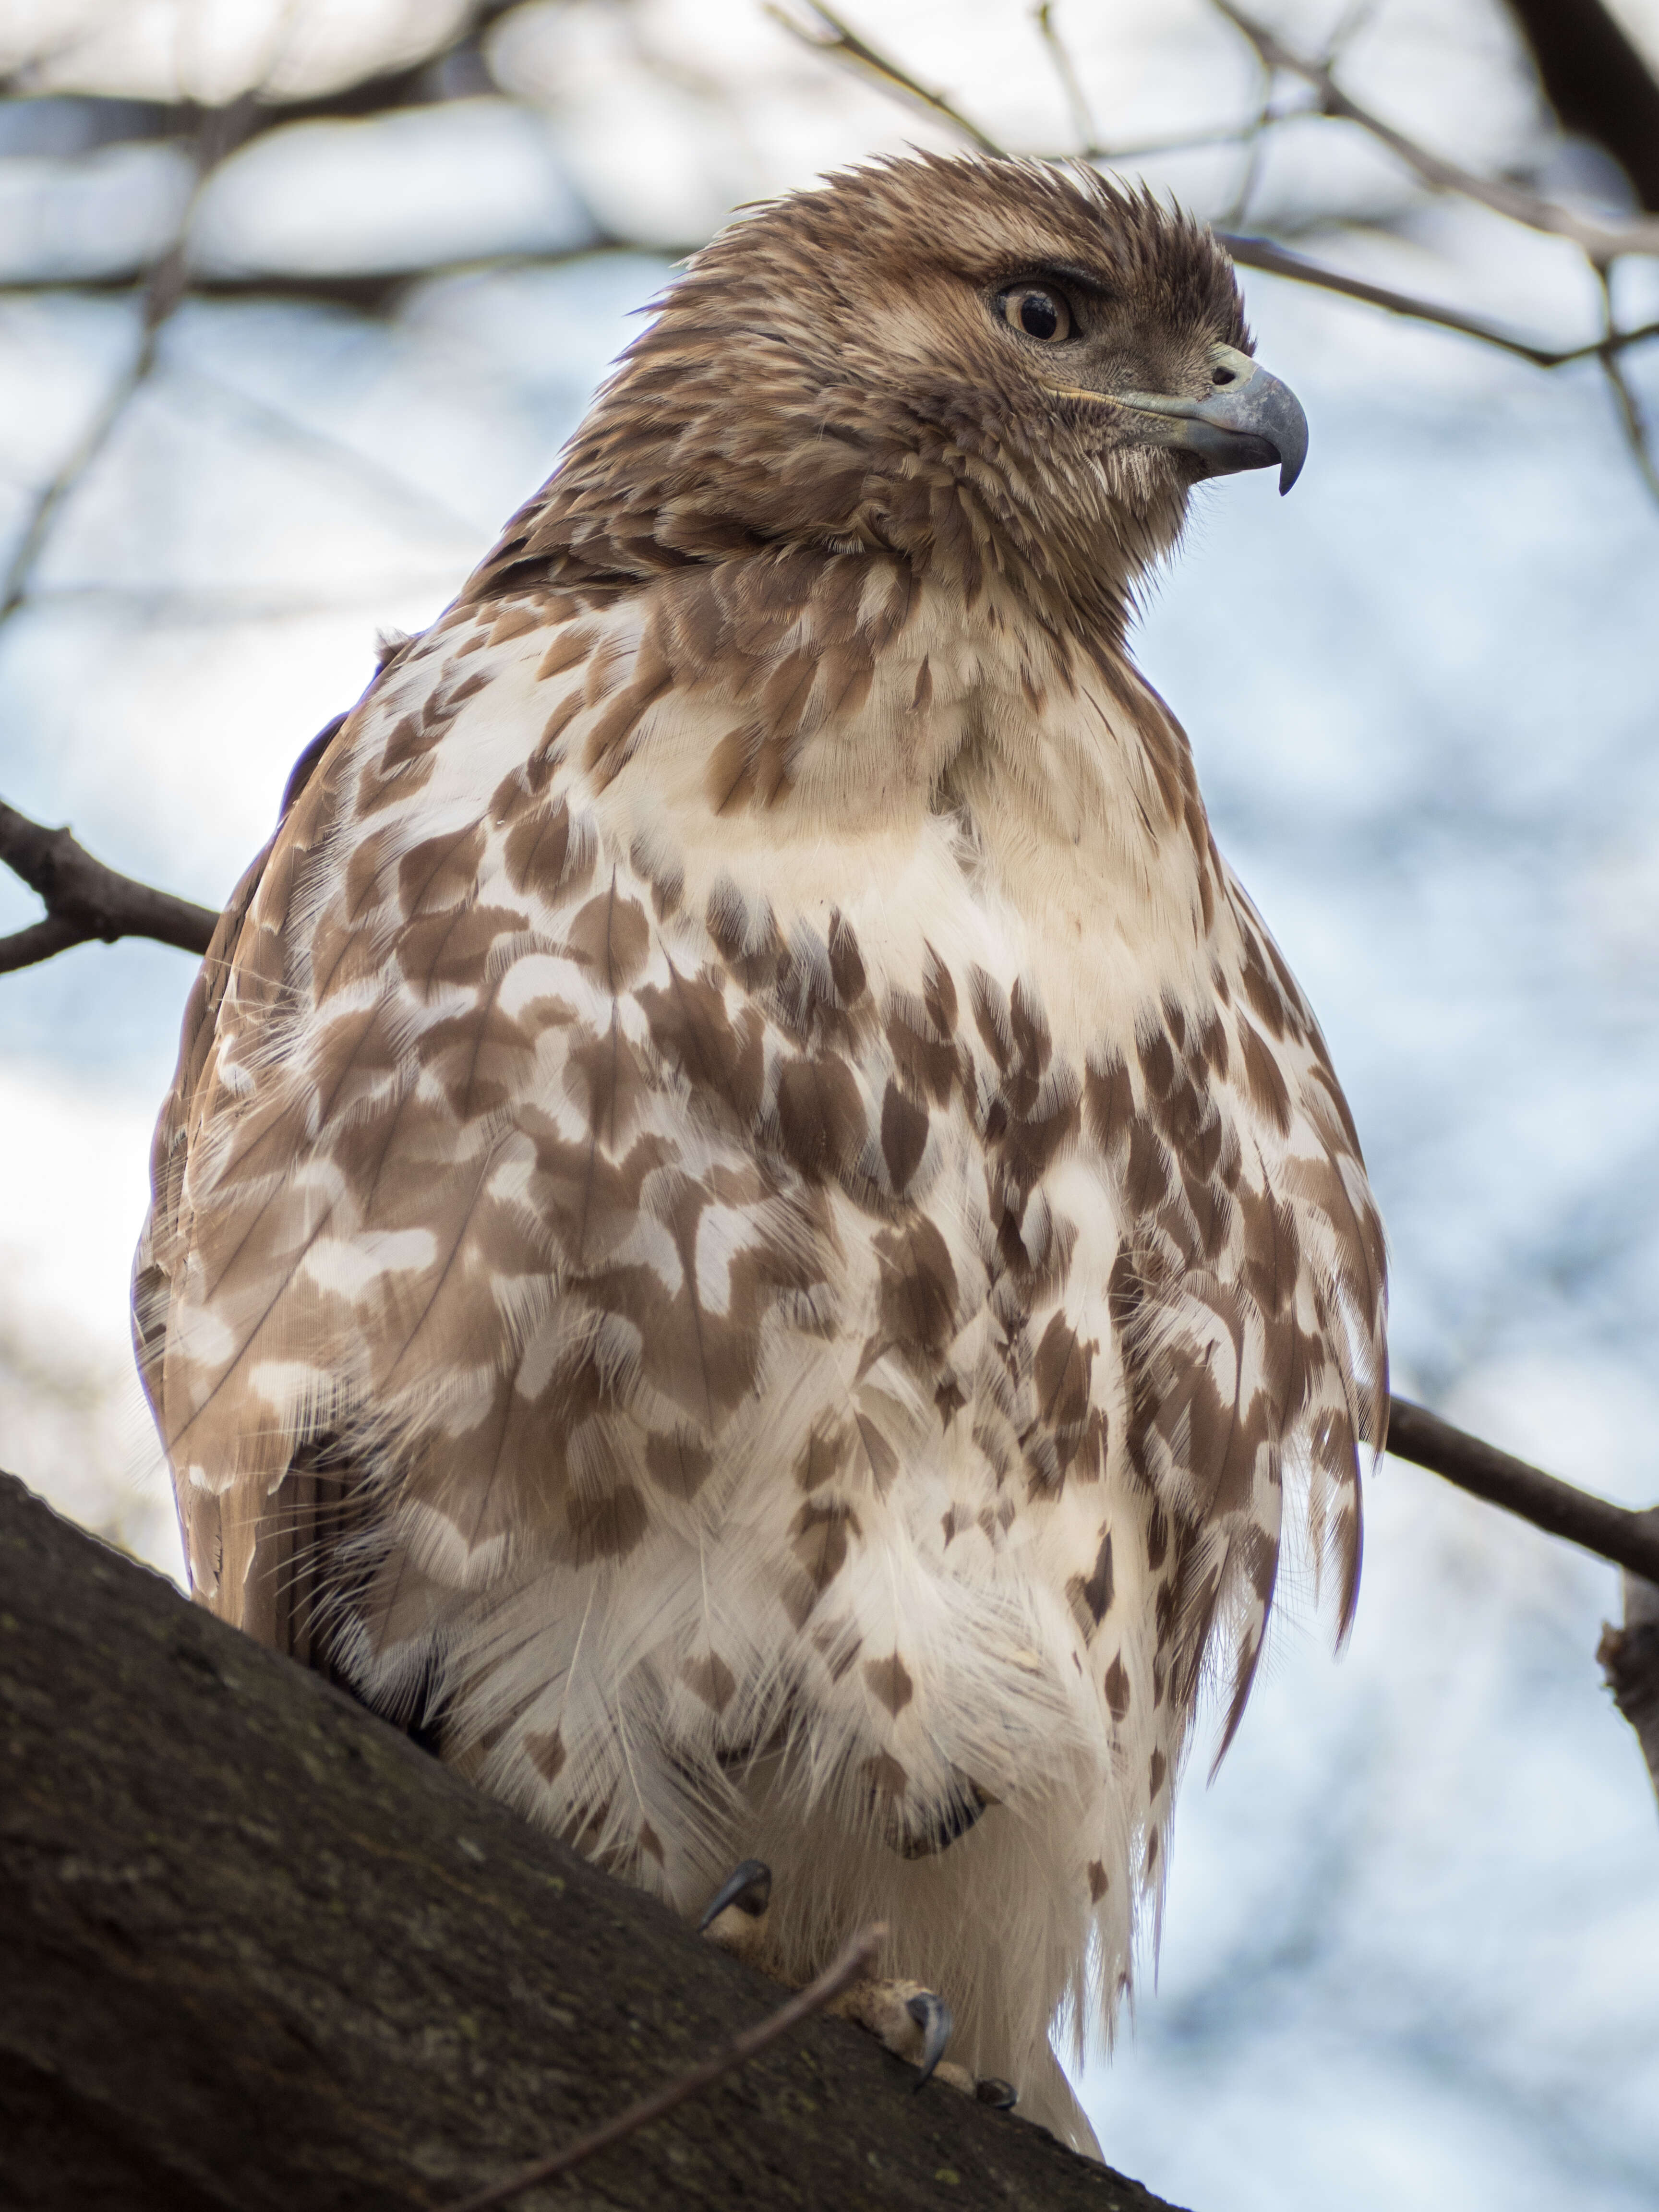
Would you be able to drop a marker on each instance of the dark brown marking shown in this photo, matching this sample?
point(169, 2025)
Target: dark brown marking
point(918, 1296)
point(711, 1680)
point(1117, 1686)
point(888, 1779)
point(820, 1115)
point(545, 1751)
point(612, 934)
point(904, 1136)
point(678, 1464)
point(889, 1680)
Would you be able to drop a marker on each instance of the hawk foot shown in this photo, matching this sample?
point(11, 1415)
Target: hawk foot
point(912, 2022)
point(915, 2023)
point(735, 1916)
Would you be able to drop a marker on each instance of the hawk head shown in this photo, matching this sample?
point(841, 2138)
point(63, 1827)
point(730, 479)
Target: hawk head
point(994, 365)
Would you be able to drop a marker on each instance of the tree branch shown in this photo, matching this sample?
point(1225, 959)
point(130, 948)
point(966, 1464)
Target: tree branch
point(369, 292)
point(841, 44)
point(1630, 1660)
point(84, 900)
point(219, 133)
point(1279, 261)
point(1065, 70)
point(417, 83)
point(1602, 241)
point(215, 133)
point(1598, 82)
point(262, 1953)
point(854, 1960)
point(1630, 1539)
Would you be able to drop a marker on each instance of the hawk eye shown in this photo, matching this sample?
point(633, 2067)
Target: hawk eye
point(1037, 313)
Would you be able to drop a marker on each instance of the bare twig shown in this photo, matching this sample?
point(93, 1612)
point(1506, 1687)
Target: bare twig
point(1631, 418)
point(85, 900)
point(215, 133)
point(1630, 1539)
point(1253, 141)
point(1064, 69)
point(829, 35)
point(219, 133)
point(1279, 261)
point(1252, 253)
point(367, 292)
point(853, 1960)
point(1603, 241)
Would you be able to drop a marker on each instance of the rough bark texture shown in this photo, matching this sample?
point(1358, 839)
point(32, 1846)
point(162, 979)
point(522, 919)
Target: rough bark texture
point(261, 1951)
point(1630, 1657)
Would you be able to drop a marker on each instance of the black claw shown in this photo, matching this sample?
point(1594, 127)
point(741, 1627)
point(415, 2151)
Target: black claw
point(933, 2016)
point(748, 1886)
point(1001, 2096)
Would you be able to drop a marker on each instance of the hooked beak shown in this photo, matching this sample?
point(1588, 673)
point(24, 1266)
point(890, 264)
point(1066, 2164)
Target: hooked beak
point(1249, 420)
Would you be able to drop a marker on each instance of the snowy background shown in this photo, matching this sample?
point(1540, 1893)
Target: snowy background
point(1411, 1954)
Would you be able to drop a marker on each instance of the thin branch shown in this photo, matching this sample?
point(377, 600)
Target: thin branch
point(1255, 141)
point(220, 132)
point(372, 476)
point(853, 1960)
point(1279, 261)
point(1630, 1539)
point(1064, 69)
point(1630, 419)
point(215, 133)
point(842, 44)
point(50, 498)
point(1602, 241)
point(370, 292)
point(1252, 253)
point(414, 84)
point(85, 900)
point(1630, 411)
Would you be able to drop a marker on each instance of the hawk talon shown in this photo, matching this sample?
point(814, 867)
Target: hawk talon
point(933, 2016)
point(748, 1888)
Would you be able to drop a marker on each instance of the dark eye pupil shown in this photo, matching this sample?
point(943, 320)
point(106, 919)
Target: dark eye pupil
point(1039, 317)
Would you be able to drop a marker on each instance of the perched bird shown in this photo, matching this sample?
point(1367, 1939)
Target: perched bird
point(752, 1235)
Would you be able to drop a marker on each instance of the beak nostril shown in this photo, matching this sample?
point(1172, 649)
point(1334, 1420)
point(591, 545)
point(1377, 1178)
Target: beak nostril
point(1222, 376)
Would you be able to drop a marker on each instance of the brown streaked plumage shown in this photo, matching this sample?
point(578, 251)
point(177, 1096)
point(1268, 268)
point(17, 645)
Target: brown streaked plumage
point(752, 1229)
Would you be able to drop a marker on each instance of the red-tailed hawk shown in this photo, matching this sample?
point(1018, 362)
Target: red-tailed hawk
point(752, 1232)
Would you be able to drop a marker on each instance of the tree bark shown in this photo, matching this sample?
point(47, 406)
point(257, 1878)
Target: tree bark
point(1630, 1659)
point(1598, 82)
point(261, 1951)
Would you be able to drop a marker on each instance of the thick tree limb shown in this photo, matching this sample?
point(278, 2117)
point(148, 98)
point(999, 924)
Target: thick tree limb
point(1630, 1539)
point(264, 1956)
point(85, 900)
point(1597, 83)
point(855, 1959)
point(1630, 1659)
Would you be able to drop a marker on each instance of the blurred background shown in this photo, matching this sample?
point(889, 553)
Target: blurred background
point(297, 302)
